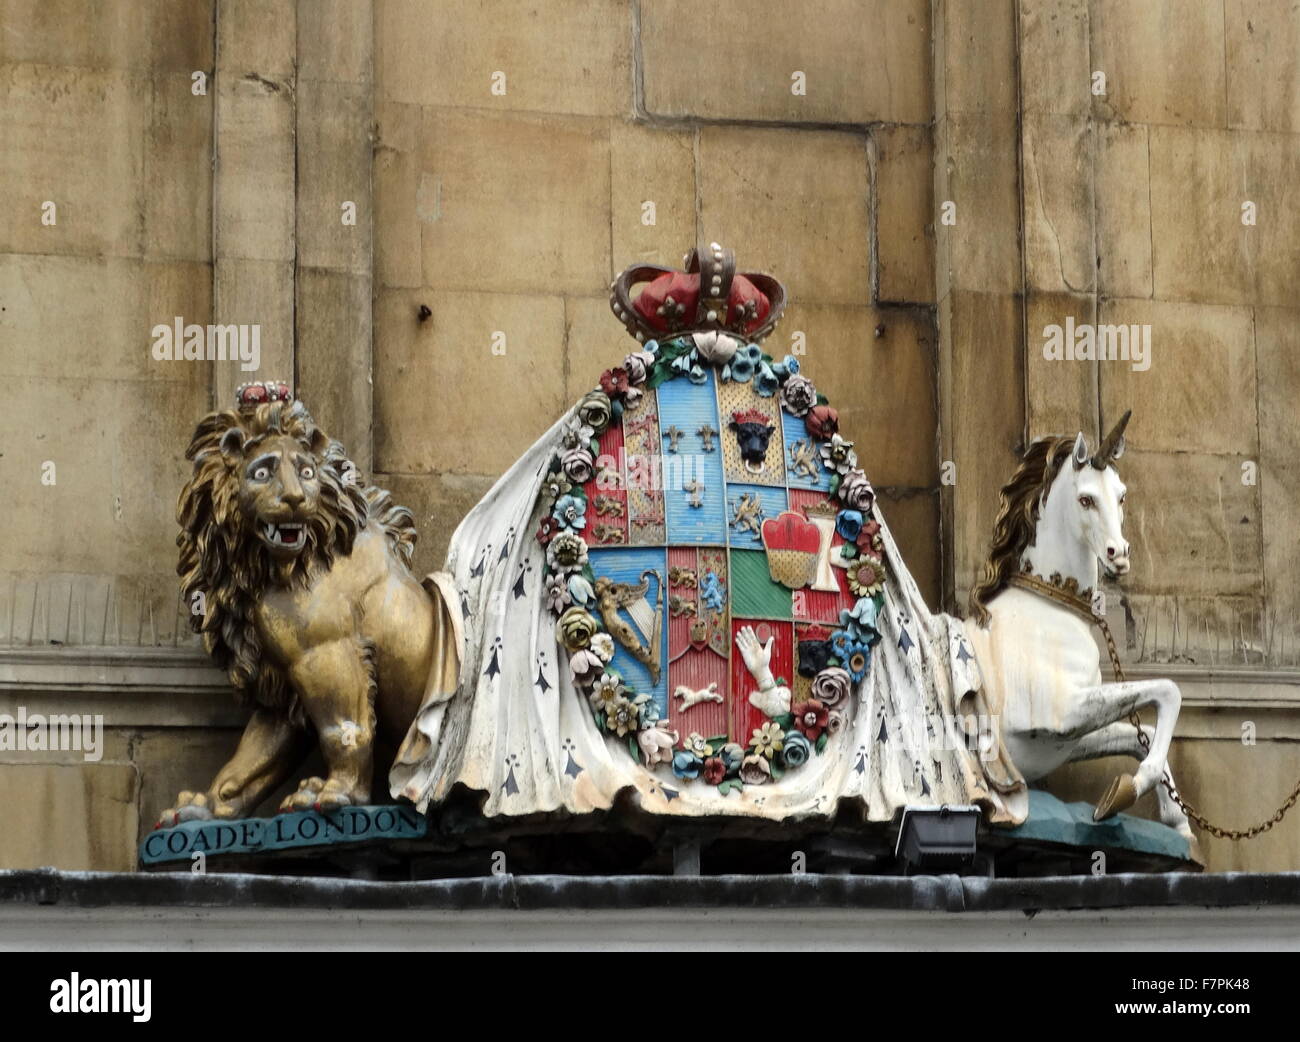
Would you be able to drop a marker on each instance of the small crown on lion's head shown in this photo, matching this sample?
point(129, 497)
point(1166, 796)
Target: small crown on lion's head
point(751, 416)
point(259, 392)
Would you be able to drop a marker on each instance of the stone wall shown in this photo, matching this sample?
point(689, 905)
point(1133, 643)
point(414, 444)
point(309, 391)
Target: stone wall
point(501, 158)
point(514, 161)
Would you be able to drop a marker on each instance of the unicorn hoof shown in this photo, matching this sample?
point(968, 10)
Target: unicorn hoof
point(1121, 795)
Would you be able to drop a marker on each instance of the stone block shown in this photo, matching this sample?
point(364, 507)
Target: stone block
point(861, 65)
point(333, 167)
point(882, 386)
point(261, 293)
point(73, 817)
point(1055, 76)
point(594, 340)
point(336, 41)
point(1198, 395)
point(655, 165)
point(820, 248)
point(53, 119)
point(1194, 526)
point(177, 183)
point(979, 43)
point(256, 170)
point(1123, 210)
point(85, 318)
point(1061, 394)
point(1262, 65)
point(257, 40)
point(913, 520)
point(1060, 250)
point(468, 390)
point(1277, 347)
point(334, 356)
point(1163, 60)
point(517, 203)
point(981, 380)
point(152, 35)
point(399, 213)
point(1199, 183)
point(903, 162)
point(977, 170)
point(565, 56)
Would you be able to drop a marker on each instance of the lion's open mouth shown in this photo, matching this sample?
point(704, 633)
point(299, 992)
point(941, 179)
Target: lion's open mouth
point(754, 466)
point(288, 535)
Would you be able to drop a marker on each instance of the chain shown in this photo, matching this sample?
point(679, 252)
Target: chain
point(1168, 782)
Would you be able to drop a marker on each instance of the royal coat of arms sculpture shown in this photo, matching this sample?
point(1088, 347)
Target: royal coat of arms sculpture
point(685, 589)
point(683, 595)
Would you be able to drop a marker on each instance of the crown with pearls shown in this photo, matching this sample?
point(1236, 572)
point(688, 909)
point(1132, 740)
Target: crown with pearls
point(251, 395)
point(708, 295)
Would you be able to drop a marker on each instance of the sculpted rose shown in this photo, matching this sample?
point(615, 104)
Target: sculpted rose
point(594, 410)
point(577, 627)
point(831, 685)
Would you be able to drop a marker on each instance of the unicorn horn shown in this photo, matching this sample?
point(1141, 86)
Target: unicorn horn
point(1113, 447)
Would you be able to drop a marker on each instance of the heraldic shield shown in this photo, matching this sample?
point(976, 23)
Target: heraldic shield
point(692, 543)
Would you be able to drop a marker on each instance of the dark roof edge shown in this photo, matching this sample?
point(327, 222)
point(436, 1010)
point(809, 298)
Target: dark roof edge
point(51, 887)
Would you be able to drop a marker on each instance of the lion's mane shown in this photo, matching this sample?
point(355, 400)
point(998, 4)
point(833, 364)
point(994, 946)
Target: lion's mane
point(222, 560)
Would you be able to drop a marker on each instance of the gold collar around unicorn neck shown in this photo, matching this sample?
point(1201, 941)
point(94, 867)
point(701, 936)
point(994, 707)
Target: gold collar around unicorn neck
point(1064, 591)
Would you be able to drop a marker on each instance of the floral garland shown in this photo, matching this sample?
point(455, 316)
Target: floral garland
point(787, 740)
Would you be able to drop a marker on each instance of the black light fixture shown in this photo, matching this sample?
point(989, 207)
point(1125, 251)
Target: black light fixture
point(937, 839)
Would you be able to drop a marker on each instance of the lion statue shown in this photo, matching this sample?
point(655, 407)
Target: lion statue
point(297, 578)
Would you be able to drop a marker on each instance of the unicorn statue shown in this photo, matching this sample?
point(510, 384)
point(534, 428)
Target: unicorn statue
point(1061, 520)
point(810, 678)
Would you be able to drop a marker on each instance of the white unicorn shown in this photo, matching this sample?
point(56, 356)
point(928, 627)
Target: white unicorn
point(1061, 516)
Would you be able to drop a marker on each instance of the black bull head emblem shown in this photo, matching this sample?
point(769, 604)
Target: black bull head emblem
point(753, 431)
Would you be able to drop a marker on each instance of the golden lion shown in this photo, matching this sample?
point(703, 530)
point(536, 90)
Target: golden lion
point(299, 582)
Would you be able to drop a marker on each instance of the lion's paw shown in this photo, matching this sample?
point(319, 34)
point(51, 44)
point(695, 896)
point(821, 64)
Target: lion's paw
point(319, 795)
point(190, 806)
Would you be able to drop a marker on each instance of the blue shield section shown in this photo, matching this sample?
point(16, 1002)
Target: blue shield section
point(799, 449)
point(771, 502)
point(626, 566)
point(692, 476)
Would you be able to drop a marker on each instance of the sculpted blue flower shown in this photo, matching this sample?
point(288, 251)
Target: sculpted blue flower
point(697, 375)
point(647, 710)
point(766, 382)
point(797, 749)
point(857, 659)
point(571, 512)
point(732, 754)
point(840, 643)
point(580, 589)
point(743, 364)
point(849, 524)
point(791, 365)
point(687, 764)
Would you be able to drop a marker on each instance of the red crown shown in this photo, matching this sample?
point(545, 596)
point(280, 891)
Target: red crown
point(751, 416)
point(709, 294)
point(789, 531)
point(814, 633)
point(249, 396)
